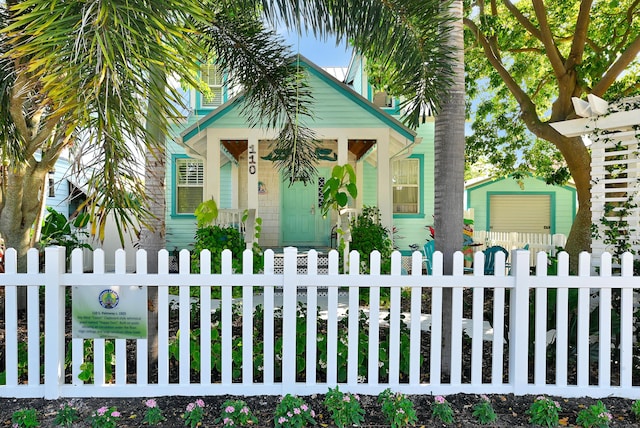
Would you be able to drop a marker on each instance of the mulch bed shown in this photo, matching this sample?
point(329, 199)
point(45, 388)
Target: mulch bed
point(511, 410)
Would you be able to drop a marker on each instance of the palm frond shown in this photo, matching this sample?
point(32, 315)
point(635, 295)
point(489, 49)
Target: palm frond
point(276, 94)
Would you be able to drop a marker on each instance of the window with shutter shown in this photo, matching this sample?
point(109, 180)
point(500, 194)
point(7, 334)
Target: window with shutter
point(213, 78)
point(189, 185)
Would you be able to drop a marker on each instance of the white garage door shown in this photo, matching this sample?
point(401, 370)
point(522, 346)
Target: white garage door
point(520, 213)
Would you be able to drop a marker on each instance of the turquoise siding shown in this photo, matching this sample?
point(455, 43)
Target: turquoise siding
point(332, 108)
point(563, 200)
point(370, 185)
point(181, 229)
point(411, 229)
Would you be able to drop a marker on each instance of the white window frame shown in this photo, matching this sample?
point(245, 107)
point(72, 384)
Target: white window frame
point(214, 79)
point(188, 179)
point(400, 181)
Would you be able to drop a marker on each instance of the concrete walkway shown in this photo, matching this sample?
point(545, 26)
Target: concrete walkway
point(343, 306)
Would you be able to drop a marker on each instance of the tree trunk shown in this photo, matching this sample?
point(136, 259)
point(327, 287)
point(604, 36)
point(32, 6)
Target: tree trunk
point(22, 199)
point(449, 147)
point(152, 238)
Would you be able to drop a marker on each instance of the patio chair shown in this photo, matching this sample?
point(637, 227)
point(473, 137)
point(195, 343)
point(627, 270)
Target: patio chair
point(427, 251)
point(490, 258)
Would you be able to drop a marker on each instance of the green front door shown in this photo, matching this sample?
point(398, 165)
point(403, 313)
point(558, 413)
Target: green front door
point(301, 220)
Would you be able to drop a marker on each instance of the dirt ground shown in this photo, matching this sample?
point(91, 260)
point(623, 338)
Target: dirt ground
point(511, 410)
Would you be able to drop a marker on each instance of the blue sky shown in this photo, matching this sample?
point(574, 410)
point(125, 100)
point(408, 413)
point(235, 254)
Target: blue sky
point(322, 53)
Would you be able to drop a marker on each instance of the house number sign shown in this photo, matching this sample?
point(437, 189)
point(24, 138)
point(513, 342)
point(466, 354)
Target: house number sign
point(252, 159)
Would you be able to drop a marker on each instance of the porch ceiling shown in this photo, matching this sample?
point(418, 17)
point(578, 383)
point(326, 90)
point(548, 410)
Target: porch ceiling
point(235, 147)
point(360, 147)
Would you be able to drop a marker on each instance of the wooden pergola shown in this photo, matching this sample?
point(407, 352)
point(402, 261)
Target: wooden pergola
point(613, 132)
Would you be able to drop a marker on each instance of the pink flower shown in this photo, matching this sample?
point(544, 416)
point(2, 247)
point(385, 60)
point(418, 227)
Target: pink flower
point(245, 410)
point(400, 411)
point(484, 397)
point(313, 414)
point(356, 396)
point(290, 414)
point(199, 403)
point(115, 414)
point(439, 399)
point(151, 403)
point(282, 420)
point(101, 411)
point(346, 398)
point(296, 411)
point(190, 407)
point(227, 421)
point(229, 409)
point(304, 407)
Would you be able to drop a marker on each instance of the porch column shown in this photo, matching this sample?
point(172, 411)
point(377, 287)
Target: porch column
point(360, 183)
point(252, 173)
point(343, 150)
point(385, 201)
point(212, 164)
point(235, 183)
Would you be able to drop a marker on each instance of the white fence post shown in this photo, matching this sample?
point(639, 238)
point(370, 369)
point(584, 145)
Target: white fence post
point(54, 322)
point(519, 322)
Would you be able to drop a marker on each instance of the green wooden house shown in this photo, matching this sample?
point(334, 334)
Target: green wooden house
point(215, 154)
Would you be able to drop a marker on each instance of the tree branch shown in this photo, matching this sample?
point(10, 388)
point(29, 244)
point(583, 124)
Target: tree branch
point(523, 50)
point(523, 20)
point(554, 55)
point(580, 34)
point(521, 97)
point(629, 20)
point(16, 104)
point(617, 67)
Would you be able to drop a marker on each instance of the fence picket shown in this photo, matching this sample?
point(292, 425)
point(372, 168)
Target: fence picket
point(477, 340)
point(227, 334)
point(415, 328)
point(604, 331)
point(268, 322)
point(626, 325)
point(497, 347)
point(332, 334)
point(163, 320)
point(374, 323)
point(142, 345)
point(540, 325)
point(247, 321)
point(583, 324)
point(456, 336)
point(435, 369)
point(353, 332)
point(312, 323)
point(562, 322)
point(184, 322)
point(205, 320)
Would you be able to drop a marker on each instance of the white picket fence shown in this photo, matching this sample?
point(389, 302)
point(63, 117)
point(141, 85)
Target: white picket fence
point(509, 357)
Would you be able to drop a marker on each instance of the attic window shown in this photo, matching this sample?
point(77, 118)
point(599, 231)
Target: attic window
point(382, 99)
point(212, 77)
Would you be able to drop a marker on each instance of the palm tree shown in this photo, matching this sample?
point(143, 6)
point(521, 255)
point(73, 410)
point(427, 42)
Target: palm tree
point(88, 89)
point(449, 144)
